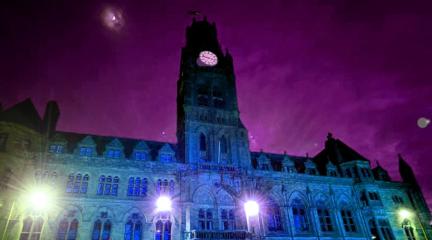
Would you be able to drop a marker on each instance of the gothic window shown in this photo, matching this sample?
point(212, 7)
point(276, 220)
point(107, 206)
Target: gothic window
point(158, 186)
point(373, 230)
point(97, 230)
point(348, 221)
point(66, 230)
point(205, 219)
point(365, 172)
point(163, 230)
point(77, 184)
point(133, 228)
point(137, 187)
point(363, 198)
point(86, 151)
point(274, 220)
point(324, 218)
point(113, 153)
point(300, 217)
point(332, 173)
point(32, 230)
point(171, 187)
point(385, 229)
point(108, 185)
point(3, 140)
point(228, 219)
point(56, 148)
point(408, 230)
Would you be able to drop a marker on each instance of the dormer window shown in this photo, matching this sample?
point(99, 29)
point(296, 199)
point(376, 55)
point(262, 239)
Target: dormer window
point(113, 153)
point(166, 157)
point(140, 156)
point(265, 167)
point(56, 148)
point(86, 151)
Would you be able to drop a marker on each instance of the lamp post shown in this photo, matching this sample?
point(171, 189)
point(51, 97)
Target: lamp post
point(38, 198)
point(164, 207)
point(251, 208)
point(405, 214)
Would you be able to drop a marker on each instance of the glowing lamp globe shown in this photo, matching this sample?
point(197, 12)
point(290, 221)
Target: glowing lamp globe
point(163, 204)
point(251, 208)
point(404, 214)
point(40, 199)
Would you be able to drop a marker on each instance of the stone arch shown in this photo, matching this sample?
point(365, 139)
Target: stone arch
point(131, 211)
point(321, 198)
point(203, 195)
point(78, 212)
point(343, 201)
point(97, 213)
point(293, 196)
point(223, 198)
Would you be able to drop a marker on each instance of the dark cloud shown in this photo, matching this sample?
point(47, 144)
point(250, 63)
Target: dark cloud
point(360, 69)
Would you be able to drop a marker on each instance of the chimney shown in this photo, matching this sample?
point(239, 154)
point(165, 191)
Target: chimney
point(51, 117)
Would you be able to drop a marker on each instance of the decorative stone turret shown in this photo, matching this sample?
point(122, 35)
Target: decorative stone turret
point(310, 166)
point(264, 162)
point(288, 165)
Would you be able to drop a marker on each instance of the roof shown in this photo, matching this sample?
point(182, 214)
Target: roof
point(23, 113)
point(73, 139)
point(276, 160)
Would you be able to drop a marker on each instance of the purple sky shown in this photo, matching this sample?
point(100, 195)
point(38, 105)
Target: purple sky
point(359, 69)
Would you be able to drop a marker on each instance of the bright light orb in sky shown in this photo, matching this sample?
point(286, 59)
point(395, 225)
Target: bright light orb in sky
point(423, 122)
point(112, 18)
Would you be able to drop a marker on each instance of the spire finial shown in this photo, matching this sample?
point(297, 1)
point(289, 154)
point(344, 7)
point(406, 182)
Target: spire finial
point(329, 136)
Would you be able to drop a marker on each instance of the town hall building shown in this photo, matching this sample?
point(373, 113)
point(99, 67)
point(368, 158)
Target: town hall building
point(207, 185)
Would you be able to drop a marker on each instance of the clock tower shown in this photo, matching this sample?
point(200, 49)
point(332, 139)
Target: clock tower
point(209, 130)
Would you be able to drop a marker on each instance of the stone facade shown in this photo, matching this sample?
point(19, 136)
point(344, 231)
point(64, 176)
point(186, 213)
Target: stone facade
point(106, 187)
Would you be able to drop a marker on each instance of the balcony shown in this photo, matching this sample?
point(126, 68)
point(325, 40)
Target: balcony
point(221, 235)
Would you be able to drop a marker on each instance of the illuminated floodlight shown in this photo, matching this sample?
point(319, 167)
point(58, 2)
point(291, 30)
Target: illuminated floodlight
point(251, 208)
point(163, 204)
point(40, 198)
point(404, 214)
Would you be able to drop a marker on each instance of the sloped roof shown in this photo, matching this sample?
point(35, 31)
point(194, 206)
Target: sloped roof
point(73, 139)
point(23, 113)
point(276, 160)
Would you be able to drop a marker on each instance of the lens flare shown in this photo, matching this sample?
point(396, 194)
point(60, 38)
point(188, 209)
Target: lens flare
point(251, 208)
point(423, 122)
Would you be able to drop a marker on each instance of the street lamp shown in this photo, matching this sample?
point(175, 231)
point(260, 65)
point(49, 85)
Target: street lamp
point(251, 208)
point(405, 214)
point(163, 204)
point(39, 198)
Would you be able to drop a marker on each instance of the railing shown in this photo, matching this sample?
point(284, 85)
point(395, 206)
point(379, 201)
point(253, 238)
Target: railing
point(221, 235)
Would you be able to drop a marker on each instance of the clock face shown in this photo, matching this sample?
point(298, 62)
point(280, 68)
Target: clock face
point(207, 58)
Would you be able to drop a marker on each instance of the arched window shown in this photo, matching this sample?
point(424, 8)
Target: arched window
point(408, 230)
point(385, 229)
point(26, 230)
point(158, 186)
point(108, 185)
point(373, 229)
point(348, 221)
point(67, 231)
point(62, 229)
point(84, 184)
point(32, 229)
point(73, 230)
point(203, 142)
point(137, 187)
point(106, 234)
point(300, 217)
point(324, 216)
point(274, 220)
point(205, 219)
point(133, 228)
point(70, 183)
point(171, 187)
point(77, 184)
point(97, 227)
point(228, 219)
